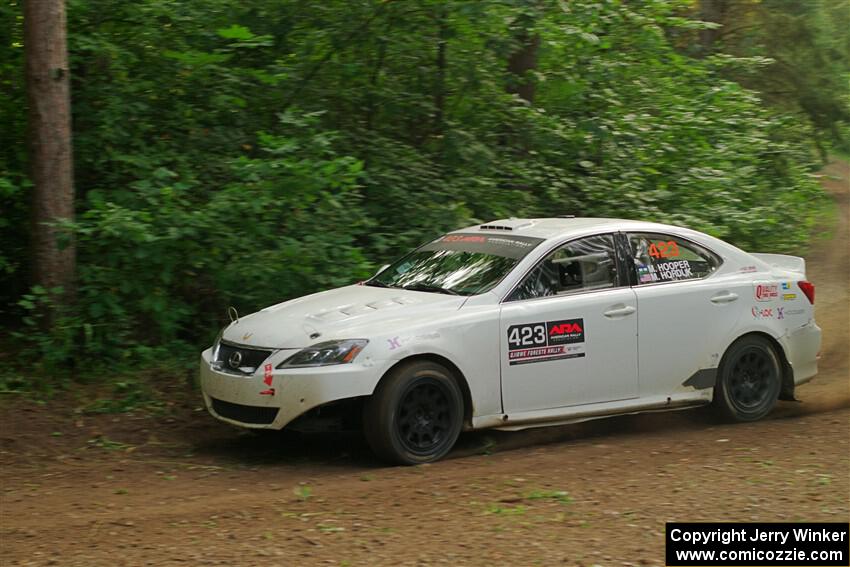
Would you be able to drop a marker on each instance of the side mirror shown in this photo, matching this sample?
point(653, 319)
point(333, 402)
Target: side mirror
point(381, 269)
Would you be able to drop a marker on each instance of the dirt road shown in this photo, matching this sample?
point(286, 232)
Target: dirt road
point(140, 490)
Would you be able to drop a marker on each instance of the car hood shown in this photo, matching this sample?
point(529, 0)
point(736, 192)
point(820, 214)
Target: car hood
point(350, 312)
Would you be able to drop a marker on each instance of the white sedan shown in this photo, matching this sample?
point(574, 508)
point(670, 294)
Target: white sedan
point(520, 323)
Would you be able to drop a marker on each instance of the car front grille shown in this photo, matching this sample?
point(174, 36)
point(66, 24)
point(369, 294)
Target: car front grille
point(245, 414)
point(236, 358)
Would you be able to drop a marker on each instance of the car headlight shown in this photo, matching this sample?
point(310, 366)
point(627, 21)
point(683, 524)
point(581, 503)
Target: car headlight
point(325, 354)
point(216, 344)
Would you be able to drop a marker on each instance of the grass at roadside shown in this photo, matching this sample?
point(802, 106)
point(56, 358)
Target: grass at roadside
point(153, 389)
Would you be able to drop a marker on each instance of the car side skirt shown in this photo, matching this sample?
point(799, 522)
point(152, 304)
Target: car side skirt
point(577, 414)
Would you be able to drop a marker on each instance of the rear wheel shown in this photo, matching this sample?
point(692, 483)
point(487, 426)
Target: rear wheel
point(415, 414)
point(749, 380)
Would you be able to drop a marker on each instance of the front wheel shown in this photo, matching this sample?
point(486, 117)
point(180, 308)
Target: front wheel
point(749, 380)
point(415, 414)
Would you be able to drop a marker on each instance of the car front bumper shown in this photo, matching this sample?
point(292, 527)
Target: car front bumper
point(249, 401)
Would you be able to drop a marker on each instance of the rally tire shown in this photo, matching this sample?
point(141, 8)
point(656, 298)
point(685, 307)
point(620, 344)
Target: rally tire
point(415, 414)
point(749, 380)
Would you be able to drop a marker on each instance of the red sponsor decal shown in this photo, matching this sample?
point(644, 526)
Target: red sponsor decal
point(766, 292)
point(463, 238)
point(565, 329)
point(267, 380)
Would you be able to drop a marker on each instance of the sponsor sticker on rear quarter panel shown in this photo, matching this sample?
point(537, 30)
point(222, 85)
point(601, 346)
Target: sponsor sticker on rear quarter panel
point(765, 291)
point(764, 312)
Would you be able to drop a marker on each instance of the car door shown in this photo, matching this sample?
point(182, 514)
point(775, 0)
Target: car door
point(569, 330)
point(686, 315)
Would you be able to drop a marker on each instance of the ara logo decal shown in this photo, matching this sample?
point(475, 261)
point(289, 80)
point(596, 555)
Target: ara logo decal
point(766, 291)
point(565, 329)
point(565, 332)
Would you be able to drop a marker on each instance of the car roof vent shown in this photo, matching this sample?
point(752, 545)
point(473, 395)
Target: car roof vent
point(506, 224)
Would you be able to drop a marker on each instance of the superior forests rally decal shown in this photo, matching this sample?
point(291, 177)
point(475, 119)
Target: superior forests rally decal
point(553, 340)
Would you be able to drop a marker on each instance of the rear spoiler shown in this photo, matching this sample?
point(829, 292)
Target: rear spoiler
point(783, 262)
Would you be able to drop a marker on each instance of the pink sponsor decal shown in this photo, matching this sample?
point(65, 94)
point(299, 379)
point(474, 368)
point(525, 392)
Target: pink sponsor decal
point(267, 380)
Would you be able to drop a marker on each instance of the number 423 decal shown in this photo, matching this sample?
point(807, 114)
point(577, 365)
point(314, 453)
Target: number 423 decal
point(667, 249)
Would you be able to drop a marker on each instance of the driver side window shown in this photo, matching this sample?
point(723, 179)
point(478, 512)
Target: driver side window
point(580, 265)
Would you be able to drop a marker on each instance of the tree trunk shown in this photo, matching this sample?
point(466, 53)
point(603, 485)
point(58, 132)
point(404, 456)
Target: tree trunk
point(440, 83)
point(521, 63)
point(51, 165)
point(710, 11)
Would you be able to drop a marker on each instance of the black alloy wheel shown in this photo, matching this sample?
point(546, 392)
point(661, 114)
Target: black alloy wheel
point(423, 419)
point(749, 379)
point(415, 414)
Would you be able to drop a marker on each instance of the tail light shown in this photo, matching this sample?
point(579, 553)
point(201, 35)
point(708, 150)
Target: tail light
point(808, 289)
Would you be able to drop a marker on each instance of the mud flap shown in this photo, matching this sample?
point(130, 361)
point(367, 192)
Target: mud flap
point(786, 392)
point(702, 379)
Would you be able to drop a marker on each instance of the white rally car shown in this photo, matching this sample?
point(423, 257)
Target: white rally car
point(520, 323)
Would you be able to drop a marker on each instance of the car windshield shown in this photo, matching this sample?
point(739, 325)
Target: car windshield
point(457, 264)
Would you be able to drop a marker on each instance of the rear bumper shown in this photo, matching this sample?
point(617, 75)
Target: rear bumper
point(802, 346)
point(249, 401)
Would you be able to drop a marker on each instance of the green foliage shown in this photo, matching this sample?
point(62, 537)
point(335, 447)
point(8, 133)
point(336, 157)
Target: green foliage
point(804, 48)
point(54, 345)
point(126, 395)
point(13, 183)
point(165, 268)
point(243, 154)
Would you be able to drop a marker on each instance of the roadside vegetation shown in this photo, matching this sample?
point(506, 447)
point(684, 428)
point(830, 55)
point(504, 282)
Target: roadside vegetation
point(232, 153)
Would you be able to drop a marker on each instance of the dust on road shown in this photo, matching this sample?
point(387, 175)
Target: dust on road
point(183, 490)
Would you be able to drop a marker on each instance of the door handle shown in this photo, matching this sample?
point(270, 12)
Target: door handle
point(620, 311)
point(724, 297)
